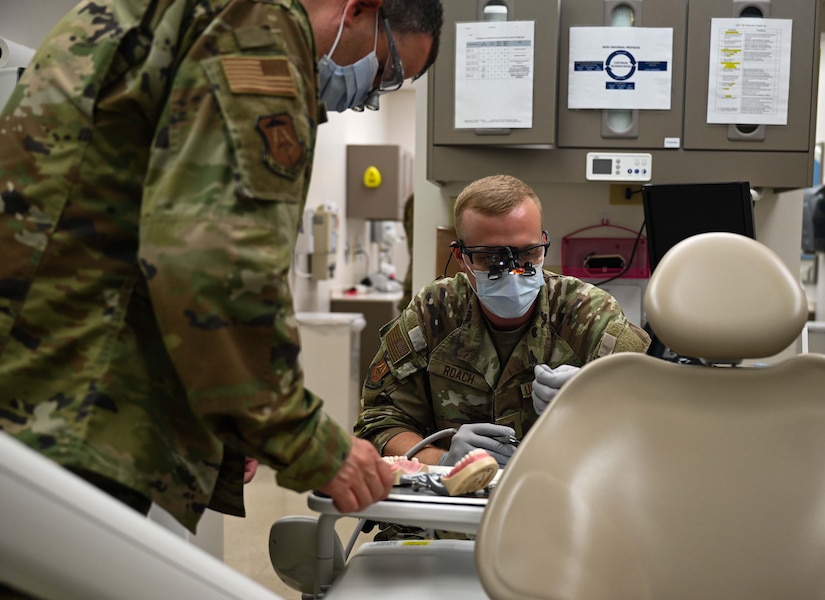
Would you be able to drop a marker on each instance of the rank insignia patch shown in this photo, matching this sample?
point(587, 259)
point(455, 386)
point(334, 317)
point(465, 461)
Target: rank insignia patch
point(284, 151)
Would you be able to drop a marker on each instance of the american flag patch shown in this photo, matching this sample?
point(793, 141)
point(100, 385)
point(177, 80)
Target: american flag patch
point(266, 76)
point(397, 345)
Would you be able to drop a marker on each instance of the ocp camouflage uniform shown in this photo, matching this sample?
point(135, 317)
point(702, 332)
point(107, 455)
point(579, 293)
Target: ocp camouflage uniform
point(154, 163)
point(438, 366)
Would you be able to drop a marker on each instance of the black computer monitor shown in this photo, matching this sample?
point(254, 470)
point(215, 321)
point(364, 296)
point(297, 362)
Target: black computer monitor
point(674, 212)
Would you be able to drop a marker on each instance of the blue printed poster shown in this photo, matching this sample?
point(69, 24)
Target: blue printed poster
point(620, 68)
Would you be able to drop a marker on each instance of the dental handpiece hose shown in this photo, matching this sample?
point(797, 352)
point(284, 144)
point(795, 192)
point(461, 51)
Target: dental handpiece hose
point(429, 440)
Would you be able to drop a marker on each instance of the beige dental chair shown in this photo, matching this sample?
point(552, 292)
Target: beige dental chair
point(648, 479)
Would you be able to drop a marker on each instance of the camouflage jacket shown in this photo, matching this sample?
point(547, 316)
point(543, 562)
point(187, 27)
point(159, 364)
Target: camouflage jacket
point(154, 163)
point(438, 367)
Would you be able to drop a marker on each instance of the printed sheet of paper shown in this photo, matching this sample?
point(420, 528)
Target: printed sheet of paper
point(750, 64)
point(620, 67)
point(494, 67)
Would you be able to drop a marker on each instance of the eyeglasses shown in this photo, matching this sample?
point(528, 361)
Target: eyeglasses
point(497, 259)
point(392, 76)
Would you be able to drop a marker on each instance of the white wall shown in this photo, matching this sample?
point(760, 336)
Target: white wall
point(393, 124)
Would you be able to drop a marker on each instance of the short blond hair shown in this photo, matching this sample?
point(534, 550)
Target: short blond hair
point(492, 195)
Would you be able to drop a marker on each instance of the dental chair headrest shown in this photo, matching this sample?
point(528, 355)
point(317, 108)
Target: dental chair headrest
point(724, 297)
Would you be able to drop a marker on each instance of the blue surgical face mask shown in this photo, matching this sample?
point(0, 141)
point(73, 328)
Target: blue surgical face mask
point(347, 86)
point(510, 296)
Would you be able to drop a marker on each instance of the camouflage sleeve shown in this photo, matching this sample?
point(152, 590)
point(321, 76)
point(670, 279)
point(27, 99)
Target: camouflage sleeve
point(225, 189)
point(591, 321)
point(395, 396)
point(227, 496)
point(623, 336)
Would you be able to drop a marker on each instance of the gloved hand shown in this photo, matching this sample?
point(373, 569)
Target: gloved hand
point(547, 384)
point(487, 436)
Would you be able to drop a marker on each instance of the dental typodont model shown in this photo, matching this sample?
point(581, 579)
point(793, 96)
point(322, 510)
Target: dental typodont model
point(472, 473)
point(401, 465)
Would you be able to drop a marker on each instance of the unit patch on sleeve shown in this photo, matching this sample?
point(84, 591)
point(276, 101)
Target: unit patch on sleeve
point(265, 76)
point(285, 150)
point(379, 371)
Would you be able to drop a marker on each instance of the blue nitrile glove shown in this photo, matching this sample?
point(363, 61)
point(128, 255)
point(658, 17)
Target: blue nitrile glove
point(547, 384)
point(486, 436)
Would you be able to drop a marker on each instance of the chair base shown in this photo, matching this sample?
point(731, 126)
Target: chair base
point(410, 570)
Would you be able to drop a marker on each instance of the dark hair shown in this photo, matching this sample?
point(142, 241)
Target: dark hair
point(417, 16)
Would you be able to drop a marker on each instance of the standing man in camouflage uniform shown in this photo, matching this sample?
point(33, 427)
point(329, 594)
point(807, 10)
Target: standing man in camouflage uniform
point(485, 351)
point(154, 164)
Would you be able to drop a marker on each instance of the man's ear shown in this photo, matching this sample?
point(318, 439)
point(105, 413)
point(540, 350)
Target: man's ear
point(455, 248)
point(356, 8)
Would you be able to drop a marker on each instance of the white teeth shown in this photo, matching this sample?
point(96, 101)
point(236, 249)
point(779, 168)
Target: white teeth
point(395, 459)
point(472, 473)
point(471, 456)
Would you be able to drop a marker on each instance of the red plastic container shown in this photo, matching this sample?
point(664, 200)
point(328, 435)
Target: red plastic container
point(589, 257)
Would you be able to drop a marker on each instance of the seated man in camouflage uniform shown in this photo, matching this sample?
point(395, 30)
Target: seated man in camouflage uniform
point(484, 352)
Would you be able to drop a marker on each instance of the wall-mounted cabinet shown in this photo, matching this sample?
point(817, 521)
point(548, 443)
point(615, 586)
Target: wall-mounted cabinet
point(485, 51)
point(683, 141)
point(631, 130)
point(797, 135)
